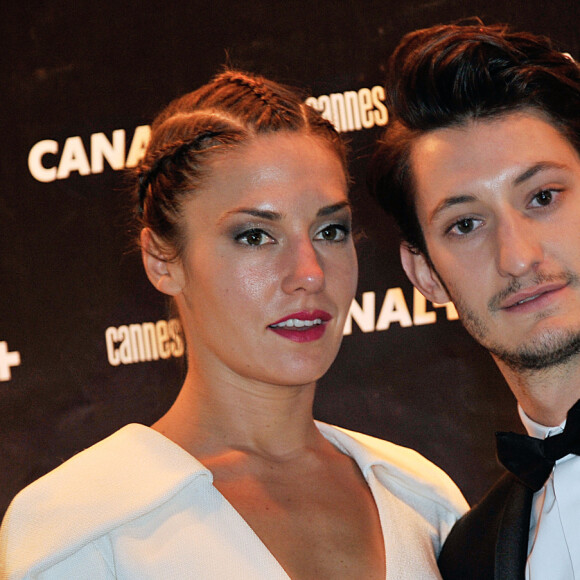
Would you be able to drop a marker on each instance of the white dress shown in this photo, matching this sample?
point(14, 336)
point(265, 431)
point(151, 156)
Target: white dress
point(138, 506)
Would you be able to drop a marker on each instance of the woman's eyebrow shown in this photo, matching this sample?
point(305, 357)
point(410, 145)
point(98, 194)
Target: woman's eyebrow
point(254, 212)
point(275, 216)
point(330, 209)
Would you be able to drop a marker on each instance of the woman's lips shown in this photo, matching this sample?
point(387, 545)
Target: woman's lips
point(302, 326)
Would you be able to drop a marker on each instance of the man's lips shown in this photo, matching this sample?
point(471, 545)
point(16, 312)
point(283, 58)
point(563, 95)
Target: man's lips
point(531, 295)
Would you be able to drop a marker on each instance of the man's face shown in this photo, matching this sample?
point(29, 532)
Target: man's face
point(499, 204)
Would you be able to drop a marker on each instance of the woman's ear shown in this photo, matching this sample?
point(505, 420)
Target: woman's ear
point(163, 270)
point(421, 273)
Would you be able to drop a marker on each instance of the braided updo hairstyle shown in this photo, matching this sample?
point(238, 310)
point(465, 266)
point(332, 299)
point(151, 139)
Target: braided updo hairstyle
point(227, 112)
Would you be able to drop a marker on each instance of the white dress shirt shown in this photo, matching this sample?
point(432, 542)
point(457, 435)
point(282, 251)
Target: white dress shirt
point(554, 542)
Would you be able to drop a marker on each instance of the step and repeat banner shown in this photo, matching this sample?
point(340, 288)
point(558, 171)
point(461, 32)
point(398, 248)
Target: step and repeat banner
point(86, 344)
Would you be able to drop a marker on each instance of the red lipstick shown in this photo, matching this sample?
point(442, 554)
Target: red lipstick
point(302, 326)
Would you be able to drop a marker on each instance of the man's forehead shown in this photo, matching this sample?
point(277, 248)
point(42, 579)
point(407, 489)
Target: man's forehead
point(455, 165)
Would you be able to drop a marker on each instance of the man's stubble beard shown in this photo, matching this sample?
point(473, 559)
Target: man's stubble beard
point(545, 350)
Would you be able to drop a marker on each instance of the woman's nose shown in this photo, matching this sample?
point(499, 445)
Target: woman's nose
point(305, 271)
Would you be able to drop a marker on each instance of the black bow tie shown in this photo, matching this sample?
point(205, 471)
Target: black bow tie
point(531, 460)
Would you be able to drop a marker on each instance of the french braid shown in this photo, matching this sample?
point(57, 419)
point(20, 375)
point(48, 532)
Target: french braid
point(228, 111)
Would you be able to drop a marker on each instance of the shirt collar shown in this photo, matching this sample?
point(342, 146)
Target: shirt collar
point(537, 429)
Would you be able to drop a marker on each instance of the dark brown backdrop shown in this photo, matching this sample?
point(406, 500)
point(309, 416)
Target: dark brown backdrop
point(78, 75)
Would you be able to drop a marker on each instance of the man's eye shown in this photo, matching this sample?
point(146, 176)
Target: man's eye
point(544, 197)
point(463, 226)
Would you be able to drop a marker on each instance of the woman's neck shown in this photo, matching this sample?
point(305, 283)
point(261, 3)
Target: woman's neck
point(270, 420)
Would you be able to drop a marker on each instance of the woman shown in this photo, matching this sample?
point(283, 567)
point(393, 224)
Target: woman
point(246, 224)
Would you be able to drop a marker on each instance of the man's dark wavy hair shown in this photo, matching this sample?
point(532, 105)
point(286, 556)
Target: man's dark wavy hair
point(446, 75)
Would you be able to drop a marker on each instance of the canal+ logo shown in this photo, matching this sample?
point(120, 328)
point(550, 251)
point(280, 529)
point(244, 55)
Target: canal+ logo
point(49, 160)
point(8, 359)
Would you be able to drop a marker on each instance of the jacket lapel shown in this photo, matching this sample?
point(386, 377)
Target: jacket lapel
point(511, 549)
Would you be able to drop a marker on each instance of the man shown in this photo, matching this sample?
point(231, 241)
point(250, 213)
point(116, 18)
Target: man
point(480, 167)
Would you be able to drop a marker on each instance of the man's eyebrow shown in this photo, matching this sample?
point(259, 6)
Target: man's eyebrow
point(521, 178)
point(537, 168)
point(450, 202)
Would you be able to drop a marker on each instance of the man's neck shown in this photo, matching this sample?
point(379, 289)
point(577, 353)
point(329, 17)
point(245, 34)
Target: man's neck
point(545, 395)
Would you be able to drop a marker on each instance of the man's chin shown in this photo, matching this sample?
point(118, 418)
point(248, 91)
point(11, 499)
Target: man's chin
point(545, 352)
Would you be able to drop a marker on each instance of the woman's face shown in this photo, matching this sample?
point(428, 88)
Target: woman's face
point(269, 268)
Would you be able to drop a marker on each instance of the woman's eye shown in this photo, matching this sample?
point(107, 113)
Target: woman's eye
point(254, 238)
point(464, 226)
point(333, 233)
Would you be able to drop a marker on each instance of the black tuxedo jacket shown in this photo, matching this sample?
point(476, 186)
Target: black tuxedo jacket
point(490, 542)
